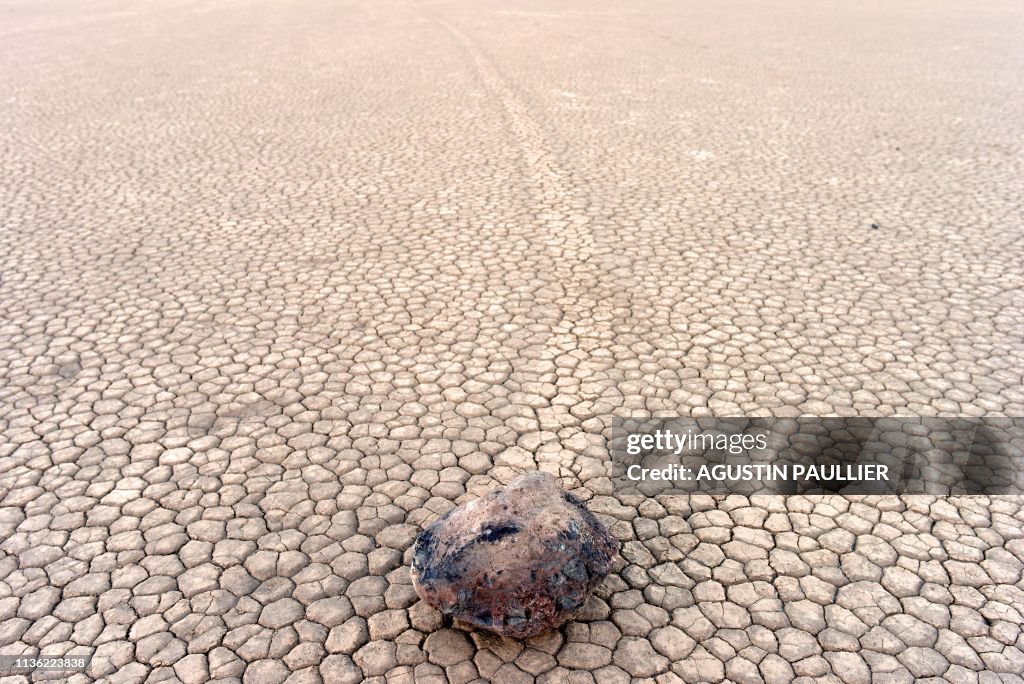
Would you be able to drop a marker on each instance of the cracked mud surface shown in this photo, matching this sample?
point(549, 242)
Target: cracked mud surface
point(281, 283)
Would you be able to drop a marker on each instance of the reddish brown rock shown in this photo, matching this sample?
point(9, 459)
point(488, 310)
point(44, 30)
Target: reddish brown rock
point(516, 561)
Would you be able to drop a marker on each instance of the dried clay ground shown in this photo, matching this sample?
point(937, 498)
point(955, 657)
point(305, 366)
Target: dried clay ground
point(282, 282)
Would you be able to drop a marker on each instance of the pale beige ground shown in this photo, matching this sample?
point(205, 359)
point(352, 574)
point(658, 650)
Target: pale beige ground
point(280, 282)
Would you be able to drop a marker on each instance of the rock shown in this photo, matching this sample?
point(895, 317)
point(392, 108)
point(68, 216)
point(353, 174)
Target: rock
point(517, 561)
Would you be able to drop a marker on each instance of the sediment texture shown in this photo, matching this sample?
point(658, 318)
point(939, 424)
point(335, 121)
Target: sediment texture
point(282, 283)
